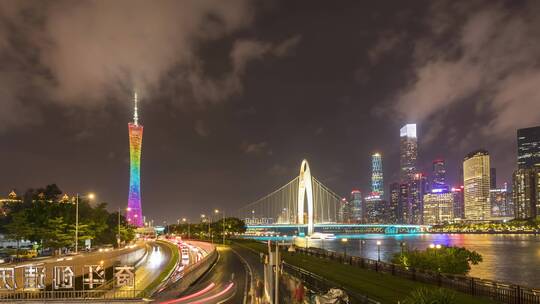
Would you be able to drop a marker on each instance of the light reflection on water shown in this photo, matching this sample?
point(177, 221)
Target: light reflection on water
point(512, 258)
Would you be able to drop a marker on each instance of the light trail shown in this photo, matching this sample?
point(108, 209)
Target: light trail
point(219, 294)
point(193, 295)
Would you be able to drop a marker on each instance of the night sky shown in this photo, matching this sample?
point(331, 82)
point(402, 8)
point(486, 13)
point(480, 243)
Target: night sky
point(234, 94)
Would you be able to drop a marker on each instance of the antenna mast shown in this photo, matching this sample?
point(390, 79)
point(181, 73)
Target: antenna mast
point(135, 113)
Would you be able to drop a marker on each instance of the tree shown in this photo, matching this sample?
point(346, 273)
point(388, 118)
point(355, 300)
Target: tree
point(452, 260)
point(19, 228)
point(56, 235)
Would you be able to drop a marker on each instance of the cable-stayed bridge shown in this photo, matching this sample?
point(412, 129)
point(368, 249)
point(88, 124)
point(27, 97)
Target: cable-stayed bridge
point(304, 206)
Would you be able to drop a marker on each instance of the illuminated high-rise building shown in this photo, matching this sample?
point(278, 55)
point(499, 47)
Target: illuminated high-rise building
point(374, 210)
point(501, 204)
point(404, 208)
point(492, 178)
point(377, 175)
point(394, 203)
point(526, 192)
point(356, 206)
point(438, 207)
point(345, 212)
point(134, 210)
point(476, 183)
point(457, 193)
point(528, 141)
point(408, 151)
point(439, 174)
point(417, 189)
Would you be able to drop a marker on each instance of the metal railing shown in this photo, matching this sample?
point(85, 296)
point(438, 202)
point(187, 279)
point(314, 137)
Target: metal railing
point(497, 291)
point(321, 285)
point(9, 296)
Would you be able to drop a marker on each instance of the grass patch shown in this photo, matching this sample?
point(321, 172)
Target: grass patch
point(166, 271)
point(379, 286)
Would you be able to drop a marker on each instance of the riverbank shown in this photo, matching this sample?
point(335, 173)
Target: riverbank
point(377, 285)
point(486, 232)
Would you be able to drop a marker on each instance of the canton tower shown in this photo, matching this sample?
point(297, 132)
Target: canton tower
point(134, 210)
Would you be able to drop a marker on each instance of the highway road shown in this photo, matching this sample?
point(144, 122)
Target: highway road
point(151, 267)
point(223, 283)
point(77, 262)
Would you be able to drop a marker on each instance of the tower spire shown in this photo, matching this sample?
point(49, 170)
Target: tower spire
point(135, 113)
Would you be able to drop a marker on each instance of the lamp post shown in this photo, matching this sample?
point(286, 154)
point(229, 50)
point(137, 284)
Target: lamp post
point(362, 243)
point(344, 241)
point(277, 263)
point(223, 222)
point(128, 209)
point(188, 228)
point(378, 251)
point(402, 245)
point(90, 196)
point(203, 218)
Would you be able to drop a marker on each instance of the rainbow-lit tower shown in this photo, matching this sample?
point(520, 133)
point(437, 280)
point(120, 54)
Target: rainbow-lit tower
point(134, 210)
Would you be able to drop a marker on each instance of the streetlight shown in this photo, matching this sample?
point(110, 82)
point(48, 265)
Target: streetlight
point(431, 245)
point(90, 196)
point(379, 251)
point(402, 244)
point(128, 209)
point(223, 220)
point(188, 227)
point(344, 242)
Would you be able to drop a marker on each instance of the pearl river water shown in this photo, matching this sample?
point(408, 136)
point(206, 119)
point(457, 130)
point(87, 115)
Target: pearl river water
point(508, 258)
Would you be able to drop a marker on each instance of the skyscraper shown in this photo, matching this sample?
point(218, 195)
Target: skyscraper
point(501, 203)
point(356, 204)
point(438, 207)
point(492, 178)
point(476, 183)
point(375, 210)
point(134, 210)
point(528, 141)
point(439, 174)
point(377, 185)
point(526, 192)
point(345, 211)
point(394, 203)
point(408, 151)
point(417, 189)
point(404, 208)
point(459, 209)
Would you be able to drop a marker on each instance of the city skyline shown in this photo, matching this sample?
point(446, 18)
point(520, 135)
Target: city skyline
point(226, 106)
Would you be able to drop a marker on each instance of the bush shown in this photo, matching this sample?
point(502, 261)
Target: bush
point(452, 260)
point(430, 296)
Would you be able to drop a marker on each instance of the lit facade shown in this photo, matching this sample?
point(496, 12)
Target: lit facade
point(394, 203)
point(134, 210)
point(459, 207)
point(377, 185)
point(408, 149)
point(501, 203)
point(356, 204)
point(439, 174)
point(438, 207)
point(345, 212)
point(417, 188)
point(404, 208)
point(476, 183)
point(526, 192)
point(528, 142)
point(374, 210)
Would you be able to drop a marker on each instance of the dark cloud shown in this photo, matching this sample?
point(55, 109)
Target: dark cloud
point(260, 148)
point(91, 52)
point(491, 55)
